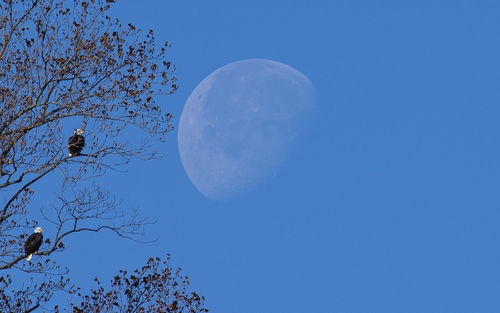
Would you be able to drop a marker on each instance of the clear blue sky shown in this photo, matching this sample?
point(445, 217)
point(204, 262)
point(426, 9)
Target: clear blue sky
point(391, 205)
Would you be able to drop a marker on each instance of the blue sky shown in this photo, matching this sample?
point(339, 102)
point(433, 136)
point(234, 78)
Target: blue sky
point(391, 204)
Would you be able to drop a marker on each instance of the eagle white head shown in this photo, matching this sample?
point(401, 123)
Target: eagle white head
point(38, 230)
point(78, 131)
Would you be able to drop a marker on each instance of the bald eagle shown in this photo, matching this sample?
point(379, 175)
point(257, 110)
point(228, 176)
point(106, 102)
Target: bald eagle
point(33, 243)
point(76, 142)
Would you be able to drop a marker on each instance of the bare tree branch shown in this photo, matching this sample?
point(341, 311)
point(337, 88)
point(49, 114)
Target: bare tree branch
point(64, 65)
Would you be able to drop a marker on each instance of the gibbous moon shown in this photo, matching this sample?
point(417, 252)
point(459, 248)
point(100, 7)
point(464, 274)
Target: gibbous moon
point(239, 124)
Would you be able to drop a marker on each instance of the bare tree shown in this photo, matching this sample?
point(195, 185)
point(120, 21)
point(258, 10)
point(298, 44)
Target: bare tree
point(65, 65)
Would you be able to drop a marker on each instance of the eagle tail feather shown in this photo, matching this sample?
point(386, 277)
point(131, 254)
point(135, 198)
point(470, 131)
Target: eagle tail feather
point(29, 257)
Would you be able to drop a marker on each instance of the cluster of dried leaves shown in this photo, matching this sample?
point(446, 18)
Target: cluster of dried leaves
point(156, 287)
point(65, 65)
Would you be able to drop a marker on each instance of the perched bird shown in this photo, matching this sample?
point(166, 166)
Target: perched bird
point(76, 142)
point(33, 242)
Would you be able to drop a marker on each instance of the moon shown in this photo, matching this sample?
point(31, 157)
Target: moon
point(240, 123)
